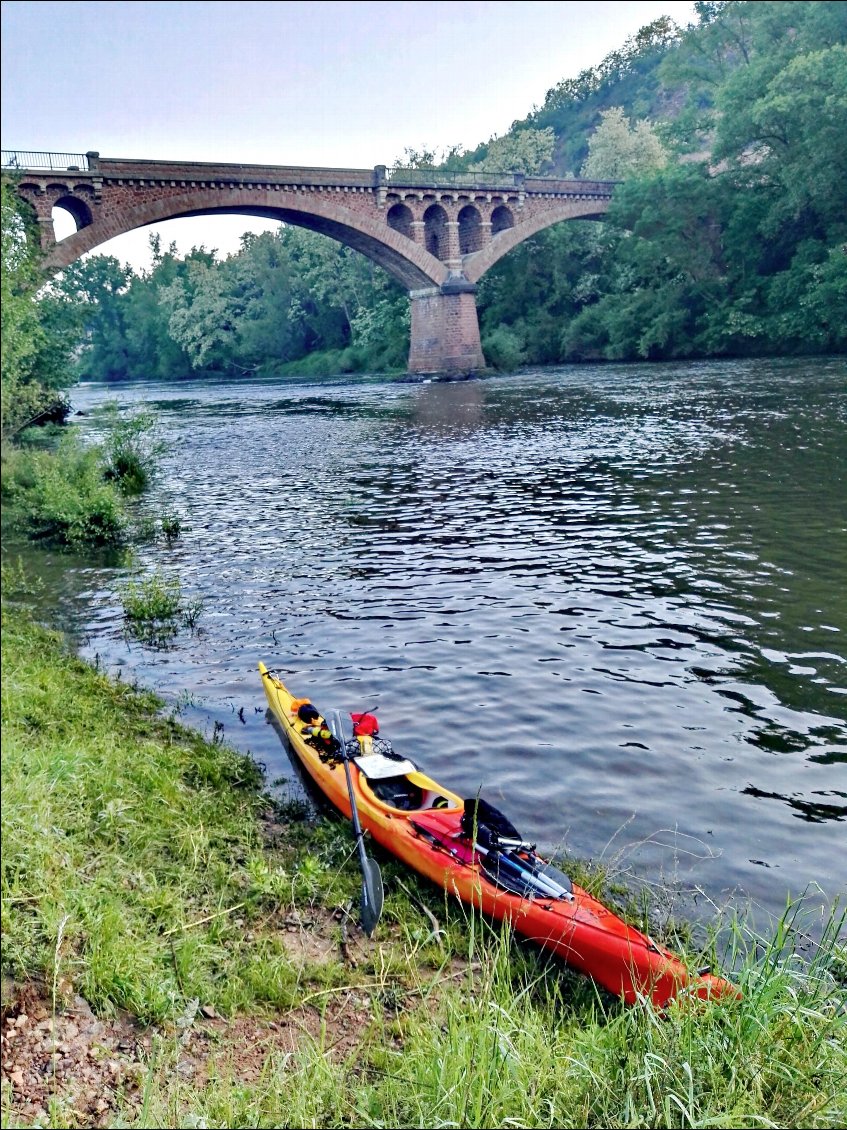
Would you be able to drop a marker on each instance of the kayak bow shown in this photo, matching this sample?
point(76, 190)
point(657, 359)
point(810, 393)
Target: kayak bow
point(476, 854)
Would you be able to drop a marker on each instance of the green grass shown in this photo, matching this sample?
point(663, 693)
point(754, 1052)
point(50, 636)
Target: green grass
point(135, 872)
point(505, 1047)
point(121, 832)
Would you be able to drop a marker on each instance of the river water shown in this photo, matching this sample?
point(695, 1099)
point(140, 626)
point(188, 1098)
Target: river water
point(611, 598)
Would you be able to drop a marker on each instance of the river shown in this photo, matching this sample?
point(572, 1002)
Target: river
point(612, 598)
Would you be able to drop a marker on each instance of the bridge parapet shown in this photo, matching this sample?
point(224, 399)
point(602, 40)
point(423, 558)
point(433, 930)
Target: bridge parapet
point(190, 173)
point(582, 189)
point(198, 172)
point(438, 179)
point(134, 171)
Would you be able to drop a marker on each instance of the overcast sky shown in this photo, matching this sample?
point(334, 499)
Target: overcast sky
point(346, 84)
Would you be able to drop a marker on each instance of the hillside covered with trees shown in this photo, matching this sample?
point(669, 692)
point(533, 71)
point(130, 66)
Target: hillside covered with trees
point(727, 235)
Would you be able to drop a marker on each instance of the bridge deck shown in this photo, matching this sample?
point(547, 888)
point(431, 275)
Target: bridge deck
point(134, 170)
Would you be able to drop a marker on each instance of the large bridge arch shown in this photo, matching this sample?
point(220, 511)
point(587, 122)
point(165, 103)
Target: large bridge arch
point(477, 263)
point(409, 263)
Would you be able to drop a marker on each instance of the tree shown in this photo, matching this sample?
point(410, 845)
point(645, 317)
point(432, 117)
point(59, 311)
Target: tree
point(617, 150)
point(523, 151)
point(787, 129)
point(21, 332)
point(203, 315)
point(35, 350)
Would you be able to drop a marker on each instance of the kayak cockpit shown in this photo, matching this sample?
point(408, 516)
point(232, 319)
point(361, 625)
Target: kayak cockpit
point(398, 784)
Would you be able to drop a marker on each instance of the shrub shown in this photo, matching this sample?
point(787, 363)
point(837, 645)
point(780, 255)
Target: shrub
point(171, 527)
point(130, 448)
point(504, 349)
point(61, 497)
point(154, 607)
point(152, 599)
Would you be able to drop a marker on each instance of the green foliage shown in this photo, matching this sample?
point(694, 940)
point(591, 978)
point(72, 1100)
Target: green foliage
point(123, 325)
point(156, 603)
point(36, 347)
point(739, 252)
point(130, 447)
point(617, 150)
point(282, 297)
point(61, 497)
point(503, 349)
point(628, 77)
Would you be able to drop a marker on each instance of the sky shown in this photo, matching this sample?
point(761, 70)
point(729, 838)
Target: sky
point(335, 84)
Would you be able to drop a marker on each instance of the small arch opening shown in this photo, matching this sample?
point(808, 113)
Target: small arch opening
point(435, 231)
point(470, 230)
point(70, 214)
point(501, 219)
point(400, 219)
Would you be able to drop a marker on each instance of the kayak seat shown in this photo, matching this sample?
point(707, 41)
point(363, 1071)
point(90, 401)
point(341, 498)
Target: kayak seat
point(399, 792)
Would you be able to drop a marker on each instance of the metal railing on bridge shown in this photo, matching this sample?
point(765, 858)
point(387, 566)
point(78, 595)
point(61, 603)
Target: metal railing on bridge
point(442, 178)
point(494, 181)
point(53, 162)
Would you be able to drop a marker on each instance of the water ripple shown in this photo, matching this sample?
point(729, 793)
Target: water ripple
point(614, 598)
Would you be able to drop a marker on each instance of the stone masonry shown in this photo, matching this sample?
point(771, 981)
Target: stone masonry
point(436, 233)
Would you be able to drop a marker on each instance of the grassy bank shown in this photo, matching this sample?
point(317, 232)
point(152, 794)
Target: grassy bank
point(143, 871)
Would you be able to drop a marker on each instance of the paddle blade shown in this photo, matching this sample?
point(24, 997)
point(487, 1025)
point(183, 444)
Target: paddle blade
point(372, 896)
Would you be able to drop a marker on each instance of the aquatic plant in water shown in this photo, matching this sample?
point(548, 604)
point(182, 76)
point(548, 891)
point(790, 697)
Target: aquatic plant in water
point(155, 607)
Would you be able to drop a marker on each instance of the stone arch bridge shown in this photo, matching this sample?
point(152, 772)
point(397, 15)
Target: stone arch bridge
point(437, 233)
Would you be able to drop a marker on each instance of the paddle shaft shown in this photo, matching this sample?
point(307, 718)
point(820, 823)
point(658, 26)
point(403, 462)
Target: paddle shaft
point(354, 812)
point(372, 894)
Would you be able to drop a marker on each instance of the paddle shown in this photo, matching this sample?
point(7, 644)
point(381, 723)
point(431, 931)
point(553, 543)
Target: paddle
point(372, 899)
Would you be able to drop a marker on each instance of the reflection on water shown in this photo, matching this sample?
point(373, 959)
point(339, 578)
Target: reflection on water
point(614, 598)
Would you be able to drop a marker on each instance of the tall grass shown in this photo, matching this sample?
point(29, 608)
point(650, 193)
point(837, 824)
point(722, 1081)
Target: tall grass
point(134, 873)
point(501, 1049)
point(139, 838)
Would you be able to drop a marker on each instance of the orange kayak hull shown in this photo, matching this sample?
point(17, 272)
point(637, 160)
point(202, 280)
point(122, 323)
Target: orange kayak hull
point(429, 839)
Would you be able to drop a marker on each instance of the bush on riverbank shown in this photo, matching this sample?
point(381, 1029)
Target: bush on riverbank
point(60, 492)
point(136, 873)
point(61, 497)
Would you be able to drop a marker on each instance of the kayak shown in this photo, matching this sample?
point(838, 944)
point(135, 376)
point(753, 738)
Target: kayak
point(473, 851)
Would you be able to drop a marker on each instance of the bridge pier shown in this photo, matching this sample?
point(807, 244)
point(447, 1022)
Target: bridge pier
point(445, 329)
